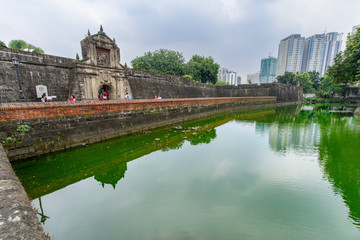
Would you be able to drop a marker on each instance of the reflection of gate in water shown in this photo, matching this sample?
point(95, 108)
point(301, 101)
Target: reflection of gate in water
point(109, 90)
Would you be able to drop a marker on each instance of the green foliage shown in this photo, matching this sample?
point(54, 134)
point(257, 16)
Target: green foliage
point(188, 76)
point(203, 69)
point(170, 62)
point(249, 81)
point(310, 81)
point(2, 44)
point(346, 68)
point(23, 128)
point(324, 100)
point(315, 79)
point(18, 44)
point(22, 45)
point(221, 83)
point(287, 78)
point(328, 89)
point(161, 61)
point(305, 82)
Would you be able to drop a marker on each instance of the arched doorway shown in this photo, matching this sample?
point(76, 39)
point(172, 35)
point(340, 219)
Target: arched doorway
point(109, 90)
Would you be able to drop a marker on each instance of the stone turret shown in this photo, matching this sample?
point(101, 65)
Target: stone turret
point(100, 50)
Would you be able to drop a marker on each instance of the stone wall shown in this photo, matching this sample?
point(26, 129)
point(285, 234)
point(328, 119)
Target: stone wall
point(18, 220)
point(34, 69)
point(146, 85)
point(62, 125)
point(64, 76)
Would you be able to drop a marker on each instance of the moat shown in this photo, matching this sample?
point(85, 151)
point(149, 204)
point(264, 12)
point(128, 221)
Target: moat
point(276, 173)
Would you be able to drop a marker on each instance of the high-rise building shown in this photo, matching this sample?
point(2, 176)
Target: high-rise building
point(231, 78)
point(355, 29)
point(332, 48)
point(290, 54)
point(238, 80)
point(222, 74)
point(226, 76)
point(253, 78)
point(268, 70)
point(314, 53)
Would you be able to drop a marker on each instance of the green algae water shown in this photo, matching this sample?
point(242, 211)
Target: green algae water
point(280, 173)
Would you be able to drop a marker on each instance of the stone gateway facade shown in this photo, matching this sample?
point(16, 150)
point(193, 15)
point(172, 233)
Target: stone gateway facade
point(100, 71)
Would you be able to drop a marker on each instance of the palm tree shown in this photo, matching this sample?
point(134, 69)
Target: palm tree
point(18, 44)
point(22, 45)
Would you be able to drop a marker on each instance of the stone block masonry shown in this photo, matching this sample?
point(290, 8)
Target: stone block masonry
point(17, 217)
point(64, 77)
point(60, 125)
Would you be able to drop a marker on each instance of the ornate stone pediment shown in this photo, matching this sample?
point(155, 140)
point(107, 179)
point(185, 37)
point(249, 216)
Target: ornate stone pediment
point(100, 50)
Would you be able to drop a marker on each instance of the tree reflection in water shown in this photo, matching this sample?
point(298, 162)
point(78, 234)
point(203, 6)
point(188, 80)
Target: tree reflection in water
point(336, 138)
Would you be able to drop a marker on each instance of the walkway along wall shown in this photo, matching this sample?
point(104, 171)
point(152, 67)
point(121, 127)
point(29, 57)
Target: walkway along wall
point(33, 129)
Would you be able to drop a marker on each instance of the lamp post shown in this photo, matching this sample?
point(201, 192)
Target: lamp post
point(15, 61)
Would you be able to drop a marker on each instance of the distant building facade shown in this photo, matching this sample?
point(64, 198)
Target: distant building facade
point(268, 70)
point(229, 77)
point(290, 54)
point(355, 29)
point(222, 74)
point(238, 80)
point(253, 78)
point(316, 53)
point(332, 48)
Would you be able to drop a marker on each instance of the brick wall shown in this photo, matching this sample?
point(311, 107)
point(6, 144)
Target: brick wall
point(23, 111)
point(60, 125)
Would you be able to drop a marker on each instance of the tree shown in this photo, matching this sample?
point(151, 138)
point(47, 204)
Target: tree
point(2, 44)
point(203, 69)
point(287, 78)
point(162, 61)
point(346, 68)
point(328, 89)
point(22, 45)
point(315, 79)
point(305, 82)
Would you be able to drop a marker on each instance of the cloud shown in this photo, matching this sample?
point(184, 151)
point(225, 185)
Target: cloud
point(237, 34)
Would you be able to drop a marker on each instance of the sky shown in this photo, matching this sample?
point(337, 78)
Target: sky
point(237, 34)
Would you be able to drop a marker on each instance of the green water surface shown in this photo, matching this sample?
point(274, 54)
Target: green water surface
point(279, 173)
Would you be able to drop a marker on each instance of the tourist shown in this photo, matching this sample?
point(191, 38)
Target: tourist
point(156, 97)
point(72, 98)
point(105, 96)
point(43, 97)
point(127, 96)
point(100, 96)
point(159, 97)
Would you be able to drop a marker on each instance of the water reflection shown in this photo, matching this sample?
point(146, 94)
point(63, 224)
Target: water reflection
point(107, 161)
point(339, 158)
point(334, 138)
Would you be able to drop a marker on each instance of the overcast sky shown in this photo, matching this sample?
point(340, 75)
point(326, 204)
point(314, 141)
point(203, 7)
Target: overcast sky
point(236, 33)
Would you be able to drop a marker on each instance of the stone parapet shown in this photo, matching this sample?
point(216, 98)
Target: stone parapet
point(34, 110)
point(32, 129)
point(18, 219)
